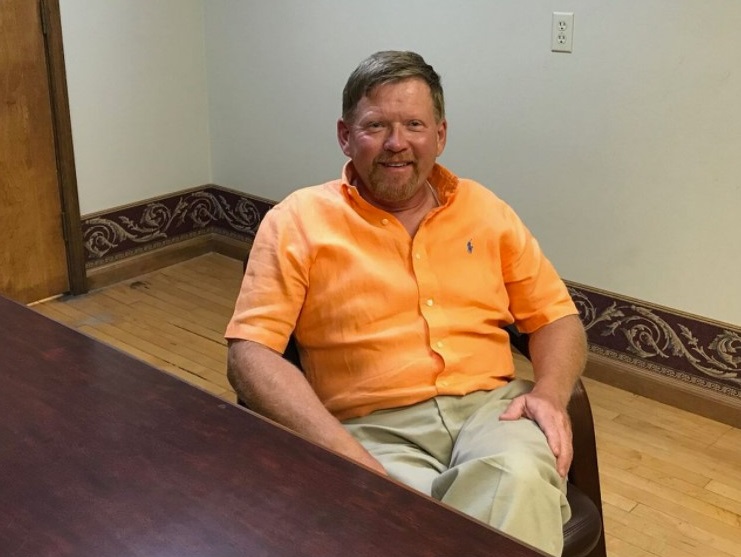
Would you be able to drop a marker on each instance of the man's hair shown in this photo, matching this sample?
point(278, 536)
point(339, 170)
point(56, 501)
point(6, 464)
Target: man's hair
point(389, 66)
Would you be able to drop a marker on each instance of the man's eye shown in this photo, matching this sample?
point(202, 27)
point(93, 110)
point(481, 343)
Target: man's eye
point(415, 124)
point(375, 125)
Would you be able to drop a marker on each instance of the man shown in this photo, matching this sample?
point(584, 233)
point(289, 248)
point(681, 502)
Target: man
point(396, 281)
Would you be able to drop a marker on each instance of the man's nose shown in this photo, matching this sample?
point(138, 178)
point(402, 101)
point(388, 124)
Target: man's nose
point(396, 139)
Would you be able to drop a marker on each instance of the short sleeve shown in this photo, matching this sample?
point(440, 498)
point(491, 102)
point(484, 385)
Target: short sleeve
point(536, 292)
point(275, 281)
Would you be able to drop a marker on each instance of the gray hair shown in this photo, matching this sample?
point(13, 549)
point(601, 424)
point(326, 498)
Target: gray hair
point(389, 66)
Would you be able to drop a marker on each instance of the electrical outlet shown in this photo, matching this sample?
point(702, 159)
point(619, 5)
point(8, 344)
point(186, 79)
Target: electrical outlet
point(562, 32)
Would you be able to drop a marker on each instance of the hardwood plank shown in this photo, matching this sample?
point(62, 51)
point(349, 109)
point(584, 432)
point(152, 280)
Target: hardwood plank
point(214, 266)
point(138, 292)
point(689, 534)
point(158, 309)
point(703, 514)
point(224, 284)
point(719, 500)
point(152, 313)
point(196, 293)
point(619, 547)
point(56, 312)
point(213, 352)
point(164, 353)
point(631, 459)
point(721, 488)
point(713, 464)
point(636, 408)
point(629, 527)
point(729, 443)
point(618, 501)
point(672, 434)
point(192, 378)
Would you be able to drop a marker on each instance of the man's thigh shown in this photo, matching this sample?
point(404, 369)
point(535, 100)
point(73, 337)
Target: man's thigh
point(504, 473)
point(411, 443)
point(483, 434)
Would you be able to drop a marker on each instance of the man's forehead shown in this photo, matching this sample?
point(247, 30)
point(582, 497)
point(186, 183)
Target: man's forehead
point(404, 92)
point(373, 91)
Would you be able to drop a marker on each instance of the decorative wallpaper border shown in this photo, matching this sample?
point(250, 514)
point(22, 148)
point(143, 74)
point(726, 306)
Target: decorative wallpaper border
point(673, 344)
point(126, 231)
point(658, 340)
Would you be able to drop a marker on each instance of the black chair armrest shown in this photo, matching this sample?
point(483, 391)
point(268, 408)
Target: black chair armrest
point(582, 472)
point(518, 340)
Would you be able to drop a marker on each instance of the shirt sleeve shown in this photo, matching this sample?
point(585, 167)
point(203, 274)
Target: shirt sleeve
point(537, 294)
point(275, 281)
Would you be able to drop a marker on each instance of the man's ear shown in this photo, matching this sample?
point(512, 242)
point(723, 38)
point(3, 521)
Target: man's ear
point(343, 136)
point(442, 136)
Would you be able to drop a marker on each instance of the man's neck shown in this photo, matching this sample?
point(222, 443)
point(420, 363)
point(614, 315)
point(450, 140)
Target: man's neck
point(409, 215)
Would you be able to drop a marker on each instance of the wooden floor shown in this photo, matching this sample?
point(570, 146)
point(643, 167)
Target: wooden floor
point(671, 480)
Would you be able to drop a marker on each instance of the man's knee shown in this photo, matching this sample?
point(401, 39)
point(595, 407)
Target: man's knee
point(528, 465)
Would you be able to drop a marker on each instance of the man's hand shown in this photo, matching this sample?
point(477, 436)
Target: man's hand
point(359, 454)
point(552, 419)
point(558, 354)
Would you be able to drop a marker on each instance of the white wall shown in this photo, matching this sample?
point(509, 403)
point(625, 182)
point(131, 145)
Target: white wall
point(137, 87)
point(623, 157)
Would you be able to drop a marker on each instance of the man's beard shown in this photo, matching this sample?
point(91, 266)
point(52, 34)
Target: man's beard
point(393, 191)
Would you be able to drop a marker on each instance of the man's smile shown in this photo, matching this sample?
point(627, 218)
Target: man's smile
point(396, 164)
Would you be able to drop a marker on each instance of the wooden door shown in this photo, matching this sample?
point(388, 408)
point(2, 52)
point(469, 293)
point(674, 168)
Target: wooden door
point(33, 256)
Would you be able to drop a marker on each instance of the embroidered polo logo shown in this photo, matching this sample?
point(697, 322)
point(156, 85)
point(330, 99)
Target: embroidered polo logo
point(469, 246)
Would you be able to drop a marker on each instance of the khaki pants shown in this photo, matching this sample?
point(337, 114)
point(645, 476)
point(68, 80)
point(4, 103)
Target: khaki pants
point(458, 451)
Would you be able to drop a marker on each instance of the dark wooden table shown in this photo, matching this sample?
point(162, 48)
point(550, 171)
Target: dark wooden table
point(102, 455)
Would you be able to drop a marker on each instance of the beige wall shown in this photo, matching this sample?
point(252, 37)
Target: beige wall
point(622, 156)
point(137, 87)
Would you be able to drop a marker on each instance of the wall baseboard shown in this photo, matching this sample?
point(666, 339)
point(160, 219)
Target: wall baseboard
point(683, 360)
point(682, 395)
point(170, 254)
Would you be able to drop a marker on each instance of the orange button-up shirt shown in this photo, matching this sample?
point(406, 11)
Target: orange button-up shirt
point(385, 320)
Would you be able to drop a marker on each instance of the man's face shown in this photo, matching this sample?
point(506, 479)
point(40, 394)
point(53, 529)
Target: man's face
point(394, 140)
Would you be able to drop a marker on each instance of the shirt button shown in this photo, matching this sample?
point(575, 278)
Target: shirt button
point(439, 344)
point(430, 302)
point(418, 256)
point(384, 221)
point(443, 383)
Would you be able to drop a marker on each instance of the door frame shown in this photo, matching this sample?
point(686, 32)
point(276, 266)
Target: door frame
point(51, 22)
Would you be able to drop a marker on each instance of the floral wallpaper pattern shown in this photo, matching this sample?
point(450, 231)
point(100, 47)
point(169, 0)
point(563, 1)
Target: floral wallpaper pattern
point(116, 234)
point(673, 344)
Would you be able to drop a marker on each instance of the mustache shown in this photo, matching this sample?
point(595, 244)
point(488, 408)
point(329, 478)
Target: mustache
point(395, 161)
